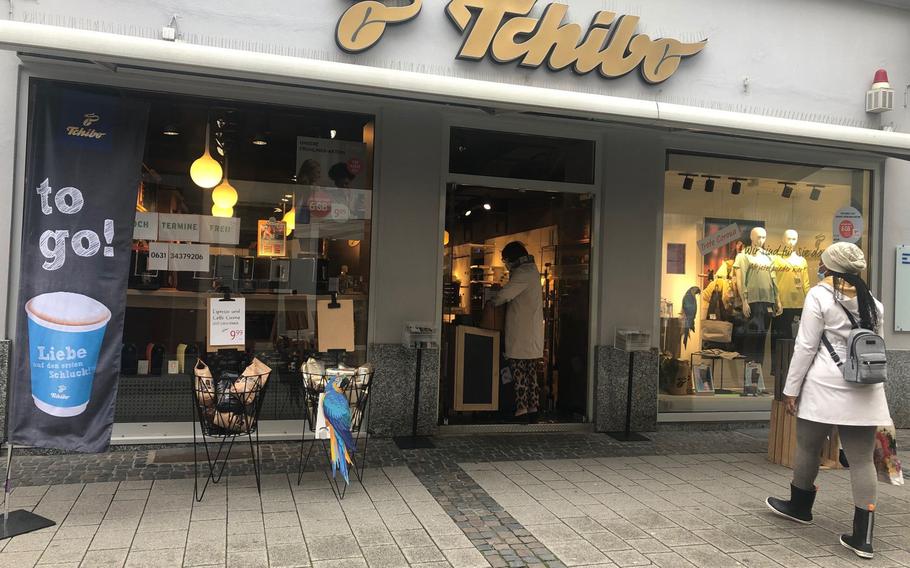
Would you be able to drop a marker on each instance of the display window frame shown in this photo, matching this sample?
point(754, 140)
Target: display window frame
point(777, 153)
point(548, 127)
point(241, 91)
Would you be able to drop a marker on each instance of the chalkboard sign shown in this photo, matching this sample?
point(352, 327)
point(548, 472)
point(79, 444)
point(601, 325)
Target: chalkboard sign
point(476, 369)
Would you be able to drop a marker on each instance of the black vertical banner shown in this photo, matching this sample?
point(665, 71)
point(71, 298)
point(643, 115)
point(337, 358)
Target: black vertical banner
point(83, 170)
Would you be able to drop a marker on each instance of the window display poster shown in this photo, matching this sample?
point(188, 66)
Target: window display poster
point(85, 153)
point(717, 256)
point(729, 234)
point(329, 163)
point(333, 181)
point(676, 258)
point(227, 322)
point(272, 238)
point(848, 225)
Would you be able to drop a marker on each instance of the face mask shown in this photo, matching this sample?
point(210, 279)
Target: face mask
point(822, 274)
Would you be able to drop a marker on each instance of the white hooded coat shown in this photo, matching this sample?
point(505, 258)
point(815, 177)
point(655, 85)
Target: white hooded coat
point(824, 395)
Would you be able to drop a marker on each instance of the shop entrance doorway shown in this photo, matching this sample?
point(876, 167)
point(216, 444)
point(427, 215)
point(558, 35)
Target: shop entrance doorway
point(555, 229)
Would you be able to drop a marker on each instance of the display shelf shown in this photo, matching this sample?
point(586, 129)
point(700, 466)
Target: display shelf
point(166, 298)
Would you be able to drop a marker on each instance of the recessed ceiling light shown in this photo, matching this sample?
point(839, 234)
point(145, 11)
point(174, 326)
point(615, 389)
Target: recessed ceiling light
point(467, 213)
point(333, 133)
point(260, 139)
point(487, 206)
point(171, 130)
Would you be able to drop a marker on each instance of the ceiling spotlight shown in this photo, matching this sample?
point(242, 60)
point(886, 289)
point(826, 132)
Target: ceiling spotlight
point(816, 192)
point(487, 206)
point(709, 183)
point(333, 133)
point(788, 189)
point(687, 181)
point(467, 213)
point(260, 139)
point(737, 187)
point(171, 130)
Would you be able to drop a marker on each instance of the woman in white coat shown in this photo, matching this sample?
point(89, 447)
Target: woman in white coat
point(818, 395)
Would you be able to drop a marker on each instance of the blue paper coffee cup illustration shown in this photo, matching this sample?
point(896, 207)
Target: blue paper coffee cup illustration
point(65, 332)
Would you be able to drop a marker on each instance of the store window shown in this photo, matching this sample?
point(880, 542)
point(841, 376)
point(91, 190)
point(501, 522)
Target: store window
point(513, 155)
point(266, 203)
point(741, 246)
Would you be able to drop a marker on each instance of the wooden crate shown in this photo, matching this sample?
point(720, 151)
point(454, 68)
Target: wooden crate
point(782, 440)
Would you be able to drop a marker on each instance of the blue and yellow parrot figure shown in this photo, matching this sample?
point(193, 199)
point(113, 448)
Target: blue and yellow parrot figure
point(690, 311)
point(338, 420)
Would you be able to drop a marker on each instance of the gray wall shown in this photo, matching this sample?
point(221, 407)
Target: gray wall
point(630, 224)
point(812, 59)
point(895, 231)
point(8, 95)
point(408, 236)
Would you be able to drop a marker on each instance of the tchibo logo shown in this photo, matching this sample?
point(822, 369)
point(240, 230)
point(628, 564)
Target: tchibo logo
point(86, 130)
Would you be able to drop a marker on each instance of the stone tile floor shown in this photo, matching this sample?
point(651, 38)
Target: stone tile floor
point(684, 499)
point(685, 511)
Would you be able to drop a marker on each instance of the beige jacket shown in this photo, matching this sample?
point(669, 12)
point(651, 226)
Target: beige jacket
point(524, 313)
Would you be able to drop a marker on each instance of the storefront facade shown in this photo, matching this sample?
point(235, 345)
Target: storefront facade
point(781, 147)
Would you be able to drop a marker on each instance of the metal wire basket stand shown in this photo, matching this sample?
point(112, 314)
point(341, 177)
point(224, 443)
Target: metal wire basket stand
point(221, 428)
point(356, 387)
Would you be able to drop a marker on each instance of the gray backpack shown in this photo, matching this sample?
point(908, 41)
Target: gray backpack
point(867, 363)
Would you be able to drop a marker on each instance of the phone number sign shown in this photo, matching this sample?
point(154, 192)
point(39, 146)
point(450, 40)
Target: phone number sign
point(178, 257)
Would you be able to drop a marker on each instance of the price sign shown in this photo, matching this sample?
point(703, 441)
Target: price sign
point(848, 225)
point(227, 322)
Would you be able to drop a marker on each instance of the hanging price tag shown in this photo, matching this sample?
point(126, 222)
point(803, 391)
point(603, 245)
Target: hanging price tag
point(227, 322)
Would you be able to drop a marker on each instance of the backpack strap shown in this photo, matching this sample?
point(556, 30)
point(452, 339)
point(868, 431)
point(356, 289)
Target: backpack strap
point(850, 316)
point(834, 356)
point(827, 343)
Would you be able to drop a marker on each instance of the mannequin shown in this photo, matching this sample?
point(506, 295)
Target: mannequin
point(756, 286)
point(792, 272)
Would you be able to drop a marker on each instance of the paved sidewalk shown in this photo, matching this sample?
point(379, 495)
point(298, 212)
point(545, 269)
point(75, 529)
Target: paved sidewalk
point(527, 500)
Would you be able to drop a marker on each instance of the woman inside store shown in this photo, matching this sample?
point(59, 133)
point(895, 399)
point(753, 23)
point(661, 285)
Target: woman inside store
point(817, 394)
point(523, 296)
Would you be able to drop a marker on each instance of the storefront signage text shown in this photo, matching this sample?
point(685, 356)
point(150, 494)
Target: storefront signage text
point(85, 243)
point(503, 31)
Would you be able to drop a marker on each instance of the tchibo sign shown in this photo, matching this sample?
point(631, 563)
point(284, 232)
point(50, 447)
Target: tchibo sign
point(503, 31)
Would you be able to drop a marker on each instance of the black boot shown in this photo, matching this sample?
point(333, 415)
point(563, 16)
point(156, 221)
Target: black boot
point(860, 542)
point(798, 508)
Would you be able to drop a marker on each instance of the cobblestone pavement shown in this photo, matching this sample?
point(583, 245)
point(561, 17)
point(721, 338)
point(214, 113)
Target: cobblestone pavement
point(684, 499)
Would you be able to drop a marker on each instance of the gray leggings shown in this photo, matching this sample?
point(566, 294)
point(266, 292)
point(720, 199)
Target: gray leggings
point(859, 445)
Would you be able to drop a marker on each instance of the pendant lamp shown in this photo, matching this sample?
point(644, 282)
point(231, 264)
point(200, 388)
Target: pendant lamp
point(218, 211)
point(206, 171)
point(224, 195)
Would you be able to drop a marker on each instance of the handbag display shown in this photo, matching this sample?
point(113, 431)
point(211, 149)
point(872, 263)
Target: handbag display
point(717, 331)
